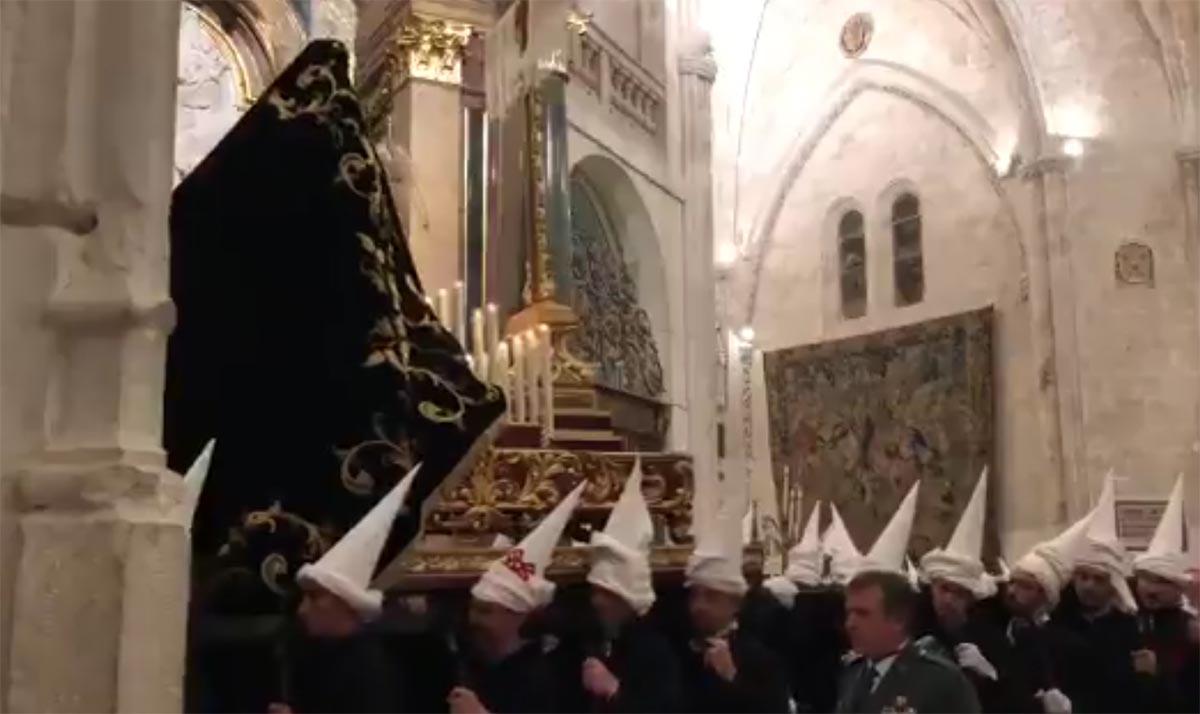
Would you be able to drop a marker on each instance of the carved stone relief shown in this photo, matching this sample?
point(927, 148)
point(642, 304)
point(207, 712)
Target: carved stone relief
point(1134, 264)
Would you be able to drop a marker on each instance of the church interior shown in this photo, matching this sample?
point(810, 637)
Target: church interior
point(785, 260)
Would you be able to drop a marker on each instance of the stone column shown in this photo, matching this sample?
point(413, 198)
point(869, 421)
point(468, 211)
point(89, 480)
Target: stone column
point(1189, 165)
point(427, 121)
point(697, 70)
point(100, 594)
point(1052, 303)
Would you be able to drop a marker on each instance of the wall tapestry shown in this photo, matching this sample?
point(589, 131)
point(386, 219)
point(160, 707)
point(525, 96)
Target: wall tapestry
point(859, 420)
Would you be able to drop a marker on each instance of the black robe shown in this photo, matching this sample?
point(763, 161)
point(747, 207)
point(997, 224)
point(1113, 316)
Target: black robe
point(1046, 656)
point(816, 643)
point(758, 687)
point(1166, 632)
point(995, 695)
point(1114, 685)
point(345, 674)
point(521, 682)
point(642, 661)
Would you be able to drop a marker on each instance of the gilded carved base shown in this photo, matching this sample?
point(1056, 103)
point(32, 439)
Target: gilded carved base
point(510, 490)
point(433, 569)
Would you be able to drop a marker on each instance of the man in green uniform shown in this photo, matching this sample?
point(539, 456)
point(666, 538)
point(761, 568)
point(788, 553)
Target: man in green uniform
point(887, 673)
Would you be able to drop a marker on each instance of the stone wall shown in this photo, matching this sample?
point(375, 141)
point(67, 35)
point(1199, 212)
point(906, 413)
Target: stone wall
point(972, 258)
point(1045, 142)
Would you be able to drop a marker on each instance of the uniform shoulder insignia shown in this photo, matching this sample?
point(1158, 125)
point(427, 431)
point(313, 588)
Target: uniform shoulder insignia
point(936, 654)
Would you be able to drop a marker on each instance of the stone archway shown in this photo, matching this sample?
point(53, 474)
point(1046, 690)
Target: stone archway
point(605, 200)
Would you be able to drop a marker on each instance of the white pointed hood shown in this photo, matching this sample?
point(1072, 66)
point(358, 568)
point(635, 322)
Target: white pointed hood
point(193, 483)
point(960, 562)
point(1103, 550)
point(716, 561)
point(1051, 562)
point(804, 558)
point(621, 553)
point(891, 547)
point(839, 547)
point(517, 580)
point(1165, 556)
point(347, 568)
point(804, 563)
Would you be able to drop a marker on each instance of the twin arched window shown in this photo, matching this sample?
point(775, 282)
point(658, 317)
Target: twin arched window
point(908, 270)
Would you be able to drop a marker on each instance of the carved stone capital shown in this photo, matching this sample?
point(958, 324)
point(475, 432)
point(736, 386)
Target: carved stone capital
point(1047, 164)
point(432, 49)
point(701, 66)
point(696, 56)
point(1189, 157)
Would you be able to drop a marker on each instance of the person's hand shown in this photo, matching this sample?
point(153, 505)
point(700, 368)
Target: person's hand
point(464, 701)
point(720, 660)
point(1054, 702)
point(598, 681)
point(277, 708)
point(1145, 662)
point(969, 657)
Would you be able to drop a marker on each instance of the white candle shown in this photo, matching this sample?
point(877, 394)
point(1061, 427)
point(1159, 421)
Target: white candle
point(518, 384)
point(460, 313)
point(493, 327)
point(443, 309)
point(533, 368)
point(477, 346)
point(547, 376)
point(482, 367)
point(500, 376)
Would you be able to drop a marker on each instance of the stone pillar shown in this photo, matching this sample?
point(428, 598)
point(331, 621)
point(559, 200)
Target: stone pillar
point(1189, 165)
point(100, 594)
point(427, 121)
point(697, 70)
point(1052, 303)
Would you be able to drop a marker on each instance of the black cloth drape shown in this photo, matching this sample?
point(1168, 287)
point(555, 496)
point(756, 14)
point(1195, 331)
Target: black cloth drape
point(304, 344)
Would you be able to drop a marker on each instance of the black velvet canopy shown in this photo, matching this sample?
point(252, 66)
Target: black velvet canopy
point(304, 344)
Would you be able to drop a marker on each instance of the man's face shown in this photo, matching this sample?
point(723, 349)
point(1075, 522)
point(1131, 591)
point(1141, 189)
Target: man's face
point(324, 614)
point(1158, 593)
point(711, 611)
point(493, 626)
point(1024, 595)
point(951, 603)
point(1093, 588)
point(872, 632)
point(611, 609)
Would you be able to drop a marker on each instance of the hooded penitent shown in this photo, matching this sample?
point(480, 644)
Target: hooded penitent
point(1165, 556)
point(838, 547)
point(1051, 562)
point(517, 580)
point(1103, 550)
point(804, 562)
point(960, 561)
point(891, 547)
point(304, 344)
point(347, 568)
point(193, 482)
point(621, 553)
point(716, 560)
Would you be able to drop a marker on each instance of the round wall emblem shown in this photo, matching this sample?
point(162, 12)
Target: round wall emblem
point(856, 34)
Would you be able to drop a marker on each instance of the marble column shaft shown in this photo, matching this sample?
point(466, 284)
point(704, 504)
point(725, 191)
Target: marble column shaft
point(697, 71)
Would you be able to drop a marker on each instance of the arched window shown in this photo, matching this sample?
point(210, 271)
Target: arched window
point(908, 266)
point(852, 262)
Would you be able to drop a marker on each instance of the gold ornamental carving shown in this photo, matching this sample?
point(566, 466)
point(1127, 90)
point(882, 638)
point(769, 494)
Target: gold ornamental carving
point(432, 49)
point(511, 490)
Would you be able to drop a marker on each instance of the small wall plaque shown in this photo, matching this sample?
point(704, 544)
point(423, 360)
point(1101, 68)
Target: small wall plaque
point(856, 34)
point(1134, 264)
